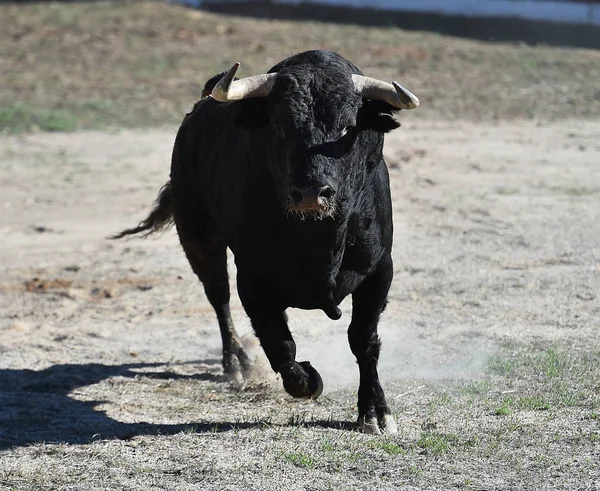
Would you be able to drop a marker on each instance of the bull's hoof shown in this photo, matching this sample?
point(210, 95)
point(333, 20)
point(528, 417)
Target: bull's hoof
point(245, 364)
point(302, 380)
point(376, 426)
point(237, 368)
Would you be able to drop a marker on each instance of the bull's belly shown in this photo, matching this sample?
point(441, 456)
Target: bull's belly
point(299, 277)
point(313, 296)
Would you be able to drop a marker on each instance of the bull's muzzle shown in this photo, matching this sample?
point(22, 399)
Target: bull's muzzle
point(311, 201)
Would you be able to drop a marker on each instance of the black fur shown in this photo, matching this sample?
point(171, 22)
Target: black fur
point(232, 170)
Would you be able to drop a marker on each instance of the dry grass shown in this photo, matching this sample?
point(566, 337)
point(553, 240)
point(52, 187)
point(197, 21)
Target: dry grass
point(98, 64)
point(452, 434)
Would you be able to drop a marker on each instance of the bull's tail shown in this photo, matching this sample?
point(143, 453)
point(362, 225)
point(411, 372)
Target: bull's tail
point(159, 219)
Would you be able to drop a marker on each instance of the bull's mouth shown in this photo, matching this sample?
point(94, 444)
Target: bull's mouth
point(317, 209)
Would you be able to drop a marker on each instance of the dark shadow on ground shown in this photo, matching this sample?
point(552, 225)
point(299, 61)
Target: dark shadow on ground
point(36, 406)
point(482, 29)
point(331, 425)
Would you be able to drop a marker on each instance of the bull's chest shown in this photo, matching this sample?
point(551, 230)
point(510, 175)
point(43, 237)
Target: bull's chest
point(303, 277)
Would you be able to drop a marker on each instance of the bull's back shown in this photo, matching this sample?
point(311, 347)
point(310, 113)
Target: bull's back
point(210, 166)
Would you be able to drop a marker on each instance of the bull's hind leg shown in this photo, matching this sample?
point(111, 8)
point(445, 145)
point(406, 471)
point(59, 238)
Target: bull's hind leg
point(208, 258)
point(368, 301)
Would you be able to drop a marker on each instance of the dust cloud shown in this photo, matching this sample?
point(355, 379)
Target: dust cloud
point(403, 356)
point(406, 352)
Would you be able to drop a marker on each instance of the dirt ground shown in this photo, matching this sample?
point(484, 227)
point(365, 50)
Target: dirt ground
point(110, 372)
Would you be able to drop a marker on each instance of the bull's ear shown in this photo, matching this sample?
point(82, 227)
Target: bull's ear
point(252, 114)
point(377, 116)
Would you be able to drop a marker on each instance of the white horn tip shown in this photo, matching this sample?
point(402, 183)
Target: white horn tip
point(221, 89)
point(410, 100)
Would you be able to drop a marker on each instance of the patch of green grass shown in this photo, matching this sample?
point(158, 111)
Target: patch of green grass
point(327, 446)
point(354, 455)
point(390, 447)
point(552, 362)
point(504, 408)
point(501, 365)
point(439, 401)
point(472, 441)
point(568, 400)
point(19, 117)
point(300, 459)
point(436, 443)
point(594, 436)
point(533, 403)
point(444, 399)
point(564, 396)
point(477, 387)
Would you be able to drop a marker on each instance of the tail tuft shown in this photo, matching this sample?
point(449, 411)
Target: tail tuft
point(160, 218)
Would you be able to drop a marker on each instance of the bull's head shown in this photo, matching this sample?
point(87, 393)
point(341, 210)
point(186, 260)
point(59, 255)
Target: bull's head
point(326, 125)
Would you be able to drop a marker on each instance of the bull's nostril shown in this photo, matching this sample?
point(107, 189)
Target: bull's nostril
point(326, 192)
point(296, 195)
point(310, 195)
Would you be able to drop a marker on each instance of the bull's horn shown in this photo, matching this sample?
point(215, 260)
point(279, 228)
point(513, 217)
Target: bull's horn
point(378, 90)
point(227, 89)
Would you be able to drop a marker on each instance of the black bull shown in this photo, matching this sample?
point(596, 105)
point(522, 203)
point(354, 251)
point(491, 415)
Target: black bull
point(286, 169)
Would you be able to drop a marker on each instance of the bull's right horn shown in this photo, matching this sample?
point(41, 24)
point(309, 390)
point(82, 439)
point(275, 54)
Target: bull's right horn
point(378, 90)
point(229, 90)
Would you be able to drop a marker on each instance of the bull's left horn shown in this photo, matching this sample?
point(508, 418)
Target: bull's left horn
point(228, 90)
point(378, 90)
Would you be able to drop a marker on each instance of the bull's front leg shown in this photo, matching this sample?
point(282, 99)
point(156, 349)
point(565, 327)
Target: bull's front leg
point(368, 301)
point(269, 321)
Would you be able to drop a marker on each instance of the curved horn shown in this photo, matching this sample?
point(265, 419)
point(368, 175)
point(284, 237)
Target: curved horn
point(228, 90)
point(378, 90)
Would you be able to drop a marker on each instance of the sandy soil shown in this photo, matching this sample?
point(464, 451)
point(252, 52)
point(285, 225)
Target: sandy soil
point(497, 242)
point(496, 239)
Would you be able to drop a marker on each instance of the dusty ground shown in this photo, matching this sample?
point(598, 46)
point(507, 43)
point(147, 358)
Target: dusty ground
point(110, 375)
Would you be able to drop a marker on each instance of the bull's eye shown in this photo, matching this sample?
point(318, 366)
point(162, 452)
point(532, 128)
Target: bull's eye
point(278, 130)
point(346, 130)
